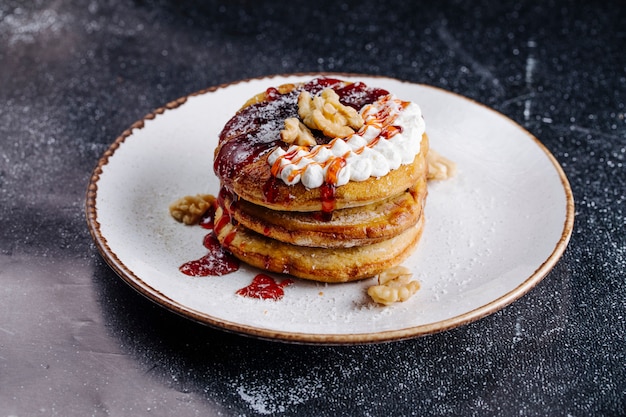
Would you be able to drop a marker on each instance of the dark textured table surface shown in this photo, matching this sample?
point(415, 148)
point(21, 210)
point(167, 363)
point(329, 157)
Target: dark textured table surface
point(75, 340)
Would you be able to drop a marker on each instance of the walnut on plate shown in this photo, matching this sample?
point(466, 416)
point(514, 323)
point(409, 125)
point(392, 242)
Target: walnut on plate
point(190, 209)
point(439, 167)
point(394, 285)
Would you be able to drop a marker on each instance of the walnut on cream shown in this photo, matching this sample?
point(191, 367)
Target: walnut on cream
point(391, 136)
point(190, 209)
point(296, 133)
point(394, 285)
point(324, 112)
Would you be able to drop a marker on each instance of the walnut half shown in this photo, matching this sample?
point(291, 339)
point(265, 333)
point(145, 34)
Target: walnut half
point(394, 285)
point(295, 132)
point(190, 209)
point(439, 167)
point(324, 112)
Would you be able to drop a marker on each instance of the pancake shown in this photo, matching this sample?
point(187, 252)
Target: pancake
point(348, 227)
point(332, 265)
point(241, 157)
point(324, 180)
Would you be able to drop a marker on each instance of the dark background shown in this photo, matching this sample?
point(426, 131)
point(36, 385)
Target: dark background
point(76, 340)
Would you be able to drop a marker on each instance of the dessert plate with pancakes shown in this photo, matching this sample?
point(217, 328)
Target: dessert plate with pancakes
point(475, 242)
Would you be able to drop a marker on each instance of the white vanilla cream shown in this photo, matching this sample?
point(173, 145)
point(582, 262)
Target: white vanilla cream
point(391, 136)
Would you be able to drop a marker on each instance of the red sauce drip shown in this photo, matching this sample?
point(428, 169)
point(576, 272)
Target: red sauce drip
point(218, 261)
point(357, 95)
point(209, 241)
point(270, 189)
point(208, 218)
point(223, 221)
point(272, 93)
point(237, 153)
point(229, 238)
point(251, 132)
point(221, 198)
point(265, 288)
point(215, 263)
point(226, 217)
point(318, 84)
point(327, 194)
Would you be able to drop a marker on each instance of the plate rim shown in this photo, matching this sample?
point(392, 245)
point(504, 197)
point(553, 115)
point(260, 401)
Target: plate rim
point(135, 282)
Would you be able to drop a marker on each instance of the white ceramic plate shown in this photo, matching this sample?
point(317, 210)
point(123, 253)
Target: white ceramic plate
point(492, 232)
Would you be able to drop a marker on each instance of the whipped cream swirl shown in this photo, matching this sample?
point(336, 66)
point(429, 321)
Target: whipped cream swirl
point(391, 136)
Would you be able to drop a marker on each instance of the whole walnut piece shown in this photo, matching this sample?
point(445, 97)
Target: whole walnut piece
point(394, 285)
point(190, 209)
point(439, 167)
point(324, 112)
point(295, 132)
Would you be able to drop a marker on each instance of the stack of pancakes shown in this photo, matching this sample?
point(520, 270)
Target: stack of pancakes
point(331, 233)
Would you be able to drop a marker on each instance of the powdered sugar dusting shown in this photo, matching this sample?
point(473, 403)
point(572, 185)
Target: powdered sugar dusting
point(278, 396)
point(26, 27)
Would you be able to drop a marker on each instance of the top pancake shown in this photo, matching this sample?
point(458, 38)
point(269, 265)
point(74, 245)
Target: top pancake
point(246, 140)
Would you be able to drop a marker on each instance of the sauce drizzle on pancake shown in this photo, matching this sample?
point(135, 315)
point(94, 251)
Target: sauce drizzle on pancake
point(255, 129)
